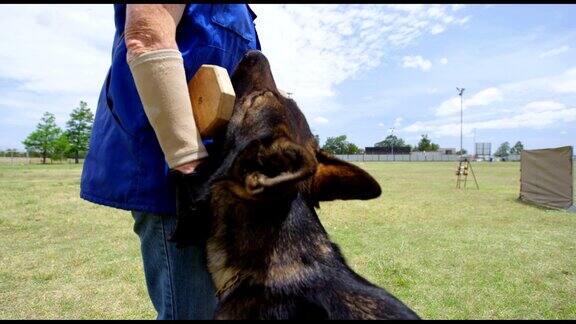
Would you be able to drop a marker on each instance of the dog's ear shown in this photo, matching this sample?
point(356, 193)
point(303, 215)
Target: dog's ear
point(337, 179)
point(271, 167)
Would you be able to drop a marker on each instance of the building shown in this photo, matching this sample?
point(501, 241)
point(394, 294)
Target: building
point(483, 151)
point(387, 150)
point(447, 150)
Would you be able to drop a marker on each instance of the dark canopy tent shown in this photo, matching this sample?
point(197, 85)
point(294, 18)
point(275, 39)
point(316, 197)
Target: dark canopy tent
point(546, 177)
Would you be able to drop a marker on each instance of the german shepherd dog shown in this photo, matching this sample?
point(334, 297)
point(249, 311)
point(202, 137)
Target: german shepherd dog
point(268, 253)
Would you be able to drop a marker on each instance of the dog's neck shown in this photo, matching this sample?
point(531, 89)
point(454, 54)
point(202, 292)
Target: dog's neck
point(274, 245)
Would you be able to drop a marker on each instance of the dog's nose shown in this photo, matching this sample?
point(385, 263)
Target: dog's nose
point(252, 73)
point(253, 57)
point(253, 53)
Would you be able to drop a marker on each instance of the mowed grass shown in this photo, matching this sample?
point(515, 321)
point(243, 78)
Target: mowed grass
point(447, 253)
point(62, 257)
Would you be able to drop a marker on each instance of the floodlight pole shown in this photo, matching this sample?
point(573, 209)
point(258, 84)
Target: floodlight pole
point(392, 142)
point(460, 92)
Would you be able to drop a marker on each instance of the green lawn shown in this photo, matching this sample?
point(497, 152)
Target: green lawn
point(448, 253)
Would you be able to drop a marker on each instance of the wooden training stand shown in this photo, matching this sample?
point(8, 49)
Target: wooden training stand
point(464, 167)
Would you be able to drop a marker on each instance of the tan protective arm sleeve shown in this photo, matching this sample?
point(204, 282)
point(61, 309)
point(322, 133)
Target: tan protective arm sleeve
point(161, 83)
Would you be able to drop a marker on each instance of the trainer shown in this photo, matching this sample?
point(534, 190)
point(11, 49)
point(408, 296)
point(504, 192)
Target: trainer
point(144, 127)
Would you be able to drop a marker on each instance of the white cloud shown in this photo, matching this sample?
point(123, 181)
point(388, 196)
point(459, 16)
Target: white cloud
point(57, 48)
point(432, 90)
point(444, 61)
point(398, 122)
point(535, 103)
point(463, 21)
point(416, 62)
point(381, 124)
point(321, 120)
point(555, 51)
point(481, 98)
point(566, 83)
point(566, 86)
point(449, 107)
point(437, 29)
point(59, 54)
point(485, 97)
point(407, 7)
point(313, 48)
point(538, 119)
point(53, 57)
point(323, 44)
point(545, 105)
point(456, 7)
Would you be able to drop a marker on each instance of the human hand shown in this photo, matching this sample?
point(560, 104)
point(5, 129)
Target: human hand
point(189, 167)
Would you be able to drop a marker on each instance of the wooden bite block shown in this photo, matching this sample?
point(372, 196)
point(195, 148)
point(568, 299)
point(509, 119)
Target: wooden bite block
point(212, 97)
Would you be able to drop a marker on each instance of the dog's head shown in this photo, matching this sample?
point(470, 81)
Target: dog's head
point(275, 152)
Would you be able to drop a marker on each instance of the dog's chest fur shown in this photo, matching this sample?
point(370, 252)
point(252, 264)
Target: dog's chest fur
point(274, 244)
point(277, 246)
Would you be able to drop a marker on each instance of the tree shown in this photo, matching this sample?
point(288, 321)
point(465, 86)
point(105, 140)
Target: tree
point(351, 148)
point(391, 140)
point(11, 152)
point(335, 145)
point(61, 147)
point(503, 150)
point(517, 148)
point(42, 140)
point(339, 145)
point(395, 143)
point(78, 129)
point(426, 145)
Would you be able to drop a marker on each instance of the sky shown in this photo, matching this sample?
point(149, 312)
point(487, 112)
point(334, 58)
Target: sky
point(358, 70)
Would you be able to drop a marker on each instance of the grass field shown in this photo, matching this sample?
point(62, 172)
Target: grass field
point(448, 253)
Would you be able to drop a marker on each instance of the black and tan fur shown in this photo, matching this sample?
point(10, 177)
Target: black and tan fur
point(268, 253)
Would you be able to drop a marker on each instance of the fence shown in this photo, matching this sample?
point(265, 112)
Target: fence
point(412, 157)
point(34, 160)
point(513, 157)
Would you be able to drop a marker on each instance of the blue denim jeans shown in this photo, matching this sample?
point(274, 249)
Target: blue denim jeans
point(178, 281)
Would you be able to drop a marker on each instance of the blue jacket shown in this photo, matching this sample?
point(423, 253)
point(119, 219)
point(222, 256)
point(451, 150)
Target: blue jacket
point(125, 167)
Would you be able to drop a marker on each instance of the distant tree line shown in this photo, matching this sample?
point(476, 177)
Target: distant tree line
point(504, 150)
point(393, 143)
point(50, 141)
point(12, 152)
point(339, 145)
